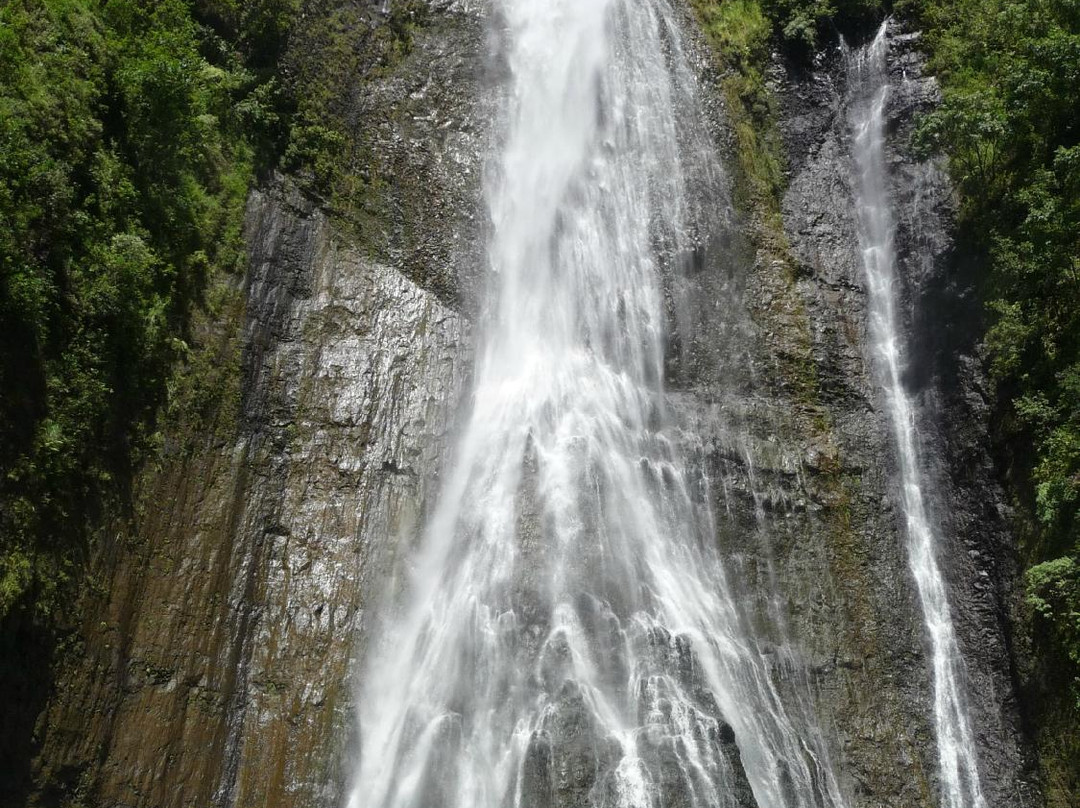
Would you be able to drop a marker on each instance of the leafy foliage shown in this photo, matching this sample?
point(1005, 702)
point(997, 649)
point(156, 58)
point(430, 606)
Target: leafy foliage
point(739, 34)
point(1054, 596)
point(130, 131)
point(335, 45)
point(1010, 72)
point(128, 135)
point(807, 25)
point(1054, 593)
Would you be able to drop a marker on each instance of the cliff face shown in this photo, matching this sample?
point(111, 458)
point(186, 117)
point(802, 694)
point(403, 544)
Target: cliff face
point(216, 659)
point(941, 315)
point(799, 449)
point(216, 671)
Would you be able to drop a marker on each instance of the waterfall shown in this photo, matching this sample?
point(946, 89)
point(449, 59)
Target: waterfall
point(569, 635)
point(867, 97)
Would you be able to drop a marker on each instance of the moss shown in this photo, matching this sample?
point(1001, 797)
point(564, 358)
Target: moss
point(1007, 124)
point(739, 35)
point(332, 52)
point(205, 390)
point(1059, 749)
point(847, 556)
point(132, 132)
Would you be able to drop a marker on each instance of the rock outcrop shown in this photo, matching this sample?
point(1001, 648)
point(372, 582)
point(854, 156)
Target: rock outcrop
point(216, 672)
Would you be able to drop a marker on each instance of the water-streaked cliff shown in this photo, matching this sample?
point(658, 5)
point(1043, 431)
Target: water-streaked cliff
point(218, 654)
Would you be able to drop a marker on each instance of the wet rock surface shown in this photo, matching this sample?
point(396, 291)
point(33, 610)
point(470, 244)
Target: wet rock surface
point(797, 453)
point(853, 603)
point(217, 670)
point(213, 666)
point(944, 314)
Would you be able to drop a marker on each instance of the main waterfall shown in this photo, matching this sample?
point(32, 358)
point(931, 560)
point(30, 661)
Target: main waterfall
point(867, 96)
point(568, 635)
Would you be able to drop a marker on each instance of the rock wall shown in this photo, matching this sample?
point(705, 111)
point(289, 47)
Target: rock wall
point(217, 671)
point(789, 429)
point(213, 663)
point(877, 687)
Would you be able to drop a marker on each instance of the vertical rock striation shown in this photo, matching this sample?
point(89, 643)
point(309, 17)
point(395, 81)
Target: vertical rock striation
point(217, 672)
point(213, 663)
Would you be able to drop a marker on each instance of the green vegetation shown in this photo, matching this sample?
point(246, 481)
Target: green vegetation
point(1010, 74)
point(740, 36)
point(129, 135)
point(132, 130)
point(803, 26)
point(333, 49)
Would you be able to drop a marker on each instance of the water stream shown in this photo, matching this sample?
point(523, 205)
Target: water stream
point(868, 95)
point(569, 635)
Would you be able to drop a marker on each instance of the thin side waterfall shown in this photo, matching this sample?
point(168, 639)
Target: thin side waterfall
point(568, 635)
point(868, 94)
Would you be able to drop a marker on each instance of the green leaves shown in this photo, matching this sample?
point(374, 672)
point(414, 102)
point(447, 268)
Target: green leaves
point(971, 126)
point(1053, 592)
point(1010, 73)
point(800, 22)
point(317, 148)
point(738, 31)
point(124, 166)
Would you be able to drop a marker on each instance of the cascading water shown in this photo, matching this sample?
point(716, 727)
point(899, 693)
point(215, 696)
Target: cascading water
point(868, 94)
point(568, 636)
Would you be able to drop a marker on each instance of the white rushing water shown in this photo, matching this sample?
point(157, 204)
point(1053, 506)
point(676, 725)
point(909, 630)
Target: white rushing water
point(569, 636)
point(868, 94)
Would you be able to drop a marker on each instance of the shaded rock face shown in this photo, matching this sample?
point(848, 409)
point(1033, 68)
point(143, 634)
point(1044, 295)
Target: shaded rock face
point(217, 663)
point(425, 125)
